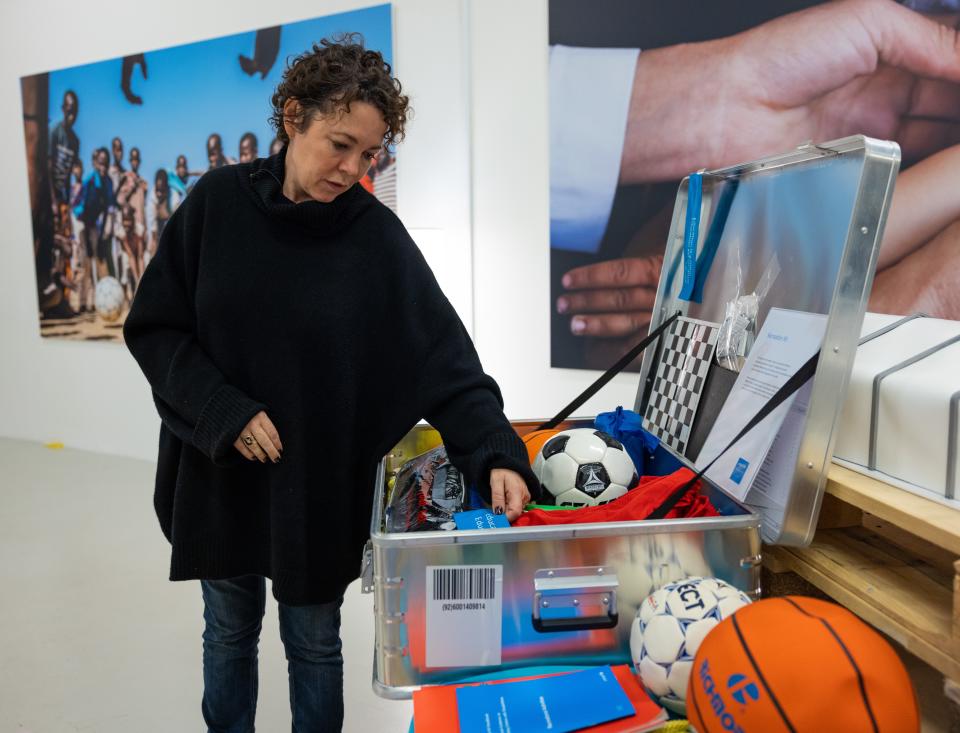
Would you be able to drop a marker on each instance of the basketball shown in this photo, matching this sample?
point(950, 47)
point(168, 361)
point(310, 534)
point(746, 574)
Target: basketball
point(799, 664)
point(535, 440)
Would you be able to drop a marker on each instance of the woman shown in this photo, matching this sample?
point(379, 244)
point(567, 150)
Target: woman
point(292, 333)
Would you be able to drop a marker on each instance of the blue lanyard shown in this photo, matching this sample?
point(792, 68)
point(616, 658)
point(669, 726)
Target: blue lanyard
point(691, 234)
point(710, 246)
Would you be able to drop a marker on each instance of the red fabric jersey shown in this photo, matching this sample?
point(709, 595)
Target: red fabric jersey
point(635, 504)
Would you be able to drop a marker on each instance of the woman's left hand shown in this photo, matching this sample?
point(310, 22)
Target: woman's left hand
point(508, 491)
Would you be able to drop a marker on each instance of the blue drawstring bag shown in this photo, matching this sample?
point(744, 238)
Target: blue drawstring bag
point(625, 426)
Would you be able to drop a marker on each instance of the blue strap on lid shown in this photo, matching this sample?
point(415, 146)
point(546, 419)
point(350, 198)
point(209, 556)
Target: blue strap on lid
point(691, 235)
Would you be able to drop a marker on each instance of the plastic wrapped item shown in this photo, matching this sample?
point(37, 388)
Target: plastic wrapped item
point(737, 331)
point(740, 321)
point(428, 490)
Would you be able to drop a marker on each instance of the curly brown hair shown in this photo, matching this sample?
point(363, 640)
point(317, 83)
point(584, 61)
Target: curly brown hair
point(334, 73)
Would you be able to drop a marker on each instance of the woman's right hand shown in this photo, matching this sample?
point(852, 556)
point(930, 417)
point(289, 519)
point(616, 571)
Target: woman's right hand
point(259, 440)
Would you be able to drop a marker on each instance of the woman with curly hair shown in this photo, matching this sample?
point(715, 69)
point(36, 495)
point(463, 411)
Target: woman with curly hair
point(291, 333)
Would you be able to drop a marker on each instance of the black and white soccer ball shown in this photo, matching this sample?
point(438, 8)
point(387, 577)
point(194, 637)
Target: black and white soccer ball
point(584, 467)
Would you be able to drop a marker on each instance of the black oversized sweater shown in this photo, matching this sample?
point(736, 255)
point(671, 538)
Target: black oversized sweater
point(327, 317)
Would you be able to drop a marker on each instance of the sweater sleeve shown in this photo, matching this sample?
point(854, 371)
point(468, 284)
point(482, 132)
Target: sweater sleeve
point(457, 397)
point(465, 405)
point(193, 398)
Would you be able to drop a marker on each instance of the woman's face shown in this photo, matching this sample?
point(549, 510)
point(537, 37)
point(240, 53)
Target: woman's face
point(332, 153)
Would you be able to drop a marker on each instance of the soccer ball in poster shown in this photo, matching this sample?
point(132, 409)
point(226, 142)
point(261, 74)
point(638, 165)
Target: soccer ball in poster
point(109, 298)
point(668, 629)
point(584, 467)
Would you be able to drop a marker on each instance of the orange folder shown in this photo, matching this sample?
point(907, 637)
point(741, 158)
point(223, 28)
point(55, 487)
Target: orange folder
point(435, 708)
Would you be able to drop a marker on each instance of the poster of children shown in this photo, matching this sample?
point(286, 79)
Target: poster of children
point(114, 147)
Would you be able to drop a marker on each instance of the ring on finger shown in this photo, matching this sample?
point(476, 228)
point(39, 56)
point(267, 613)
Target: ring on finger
point(248, 439)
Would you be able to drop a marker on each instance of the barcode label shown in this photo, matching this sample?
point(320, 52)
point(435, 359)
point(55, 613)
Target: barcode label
point(464, 615)
point(464, 584)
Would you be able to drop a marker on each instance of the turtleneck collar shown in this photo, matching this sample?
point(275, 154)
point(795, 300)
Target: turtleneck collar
point(265, 176)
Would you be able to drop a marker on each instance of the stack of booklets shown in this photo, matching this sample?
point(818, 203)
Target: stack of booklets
point(599, 699)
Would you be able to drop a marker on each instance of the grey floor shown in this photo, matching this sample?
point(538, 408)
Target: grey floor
point(92, 635)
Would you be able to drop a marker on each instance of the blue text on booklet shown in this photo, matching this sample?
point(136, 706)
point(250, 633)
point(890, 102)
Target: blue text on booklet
point(558, 704)
point(480, 519)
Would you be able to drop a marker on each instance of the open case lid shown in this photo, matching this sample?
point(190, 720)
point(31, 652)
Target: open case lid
point(816, 214)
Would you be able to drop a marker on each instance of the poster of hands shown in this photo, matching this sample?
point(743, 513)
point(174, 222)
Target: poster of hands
point(642, 93)
point(113, 148)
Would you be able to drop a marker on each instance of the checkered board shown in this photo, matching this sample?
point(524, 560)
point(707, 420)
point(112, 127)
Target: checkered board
point(684, 363)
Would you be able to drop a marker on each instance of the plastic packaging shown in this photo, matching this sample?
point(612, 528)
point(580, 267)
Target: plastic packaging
point(428, 490)
point(740, 321)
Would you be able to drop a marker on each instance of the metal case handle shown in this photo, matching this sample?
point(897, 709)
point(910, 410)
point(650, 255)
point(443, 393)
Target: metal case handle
point(575, 599)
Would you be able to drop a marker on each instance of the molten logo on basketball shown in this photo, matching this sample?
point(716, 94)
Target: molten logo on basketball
point(741, 688)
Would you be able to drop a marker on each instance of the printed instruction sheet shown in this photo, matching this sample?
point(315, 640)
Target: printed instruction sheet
point(785, 343)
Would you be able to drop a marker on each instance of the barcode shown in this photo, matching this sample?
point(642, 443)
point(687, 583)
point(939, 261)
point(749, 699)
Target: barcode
point(464, 584)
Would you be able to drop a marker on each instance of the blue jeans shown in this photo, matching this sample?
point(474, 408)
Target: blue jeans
point(233, 612)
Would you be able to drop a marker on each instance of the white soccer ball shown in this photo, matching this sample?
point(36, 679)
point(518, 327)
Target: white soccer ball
point(668, 629)
point(584, 467)
point(109, 298)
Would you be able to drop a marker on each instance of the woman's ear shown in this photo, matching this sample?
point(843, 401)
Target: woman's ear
point(292, 117)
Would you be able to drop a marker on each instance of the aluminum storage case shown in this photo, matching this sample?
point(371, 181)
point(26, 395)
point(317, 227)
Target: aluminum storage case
point(455, 604)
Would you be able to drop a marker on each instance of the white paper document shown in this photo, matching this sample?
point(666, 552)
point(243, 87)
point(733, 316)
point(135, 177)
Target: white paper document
point(771, 485)
point(785, 343)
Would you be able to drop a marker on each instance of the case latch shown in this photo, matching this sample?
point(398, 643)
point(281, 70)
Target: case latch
point(366, 569)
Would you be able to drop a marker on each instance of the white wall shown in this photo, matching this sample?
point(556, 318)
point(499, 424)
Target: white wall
point(511, 215)
point(91, 395)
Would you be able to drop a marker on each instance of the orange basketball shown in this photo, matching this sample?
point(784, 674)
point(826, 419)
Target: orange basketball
point(800, 665)
point(535, 440)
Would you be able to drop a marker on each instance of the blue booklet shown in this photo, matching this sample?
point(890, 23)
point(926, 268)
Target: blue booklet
point(558, 704)
point(480, 519)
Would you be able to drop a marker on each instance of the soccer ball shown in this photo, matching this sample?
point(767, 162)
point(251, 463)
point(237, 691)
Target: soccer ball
point(668, 629)
point(584, 467)
point(109, 298)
